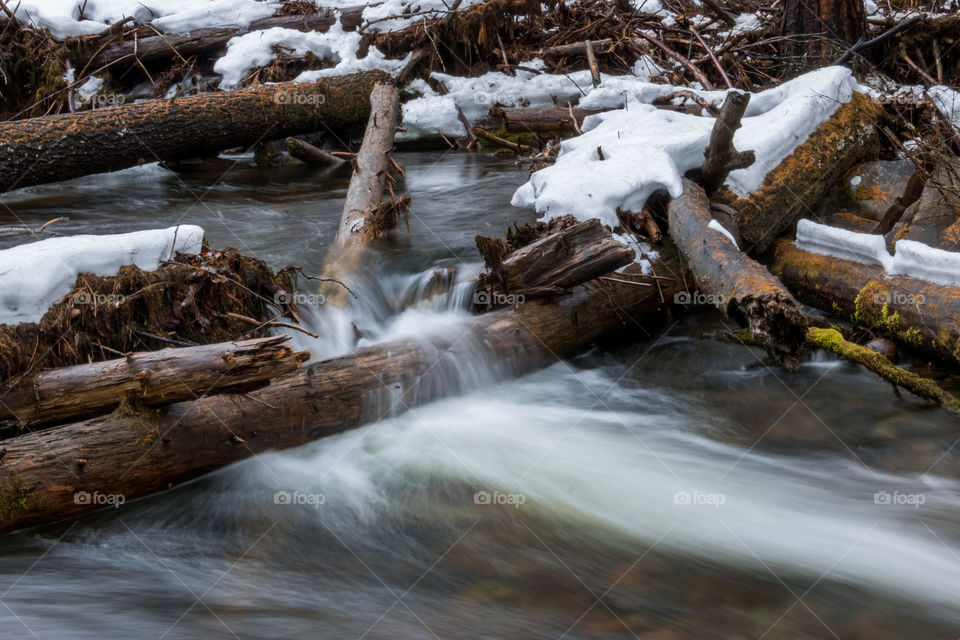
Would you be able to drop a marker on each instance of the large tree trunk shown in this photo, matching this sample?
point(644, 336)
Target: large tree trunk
point(735, 284)
point(164, 48)
point(914, 312)
point(810, 25)
point(52, 148)
point(151, 378)
point(43, 473)
point(797, 184)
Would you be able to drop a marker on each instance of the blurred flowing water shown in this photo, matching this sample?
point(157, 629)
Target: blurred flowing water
point(669, 487)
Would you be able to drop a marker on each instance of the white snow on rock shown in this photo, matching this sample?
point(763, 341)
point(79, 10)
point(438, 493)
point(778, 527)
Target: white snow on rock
point(647, 149)
point(62, 17)
point(256, 49)
point(947, 102)
point(33, 276)
point(917, 260)
point(864, 248)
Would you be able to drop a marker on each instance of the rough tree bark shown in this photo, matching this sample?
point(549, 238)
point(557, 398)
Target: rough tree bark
point(152, 377)
point(841, 21)
point(52, 148)
point(740, 287)
point(914, 312)
point(143, 453)
point(720, 157)
point(541, 119)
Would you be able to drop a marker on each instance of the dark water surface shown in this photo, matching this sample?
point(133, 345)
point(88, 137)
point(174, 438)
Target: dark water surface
point(671, 488)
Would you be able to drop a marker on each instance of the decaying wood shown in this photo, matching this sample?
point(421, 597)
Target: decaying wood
point(797, 184)
point(306, 152)
point(162, 48)
point(137, 453)
point(52, 148)
point(563, 259)
point(516, 147)
point(720, 156)
point(541, 119)
point(592, 64)
point(915, 313)
point(740, 287)
point(152, 378)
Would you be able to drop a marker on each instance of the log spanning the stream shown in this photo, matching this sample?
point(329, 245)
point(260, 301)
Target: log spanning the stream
point(151, 378)
point(740, 287)
point(915, 313)
point(140, 453)
point(52, 148)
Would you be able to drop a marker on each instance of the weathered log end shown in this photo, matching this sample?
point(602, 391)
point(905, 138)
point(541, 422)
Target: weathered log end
point(776, 321)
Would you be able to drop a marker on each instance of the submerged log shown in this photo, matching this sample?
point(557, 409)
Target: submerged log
point(541, 119)
point(798, 183)
point(153, 378)
point(737, 285)
point(306, 152)
point(915, 313)
point(52, 148)
point(58, 473)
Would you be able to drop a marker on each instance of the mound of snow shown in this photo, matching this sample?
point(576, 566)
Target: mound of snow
point(33, 276)
point(917, 260)
point(947, 102)
point(864, 248)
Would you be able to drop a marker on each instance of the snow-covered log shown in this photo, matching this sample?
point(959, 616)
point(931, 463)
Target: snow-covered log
point(52, 148)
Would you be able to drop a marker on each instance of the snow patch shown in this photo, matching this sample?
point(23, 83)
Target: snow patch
point(917, 260)
point(716, 226)
point(33, 276)
point(864, 248)
point(947, 102)
point(647, 149)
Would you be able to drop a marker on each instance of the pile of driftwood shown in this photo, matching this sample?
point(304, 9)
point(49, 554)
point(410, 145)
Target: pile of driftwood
point(181, 379)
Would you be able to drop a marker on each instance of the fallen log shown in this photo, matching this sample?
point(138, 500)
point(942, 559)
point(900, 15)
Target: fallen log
point(162, 48)
point(151, 378)
point(306, 152)
point(563, 259)
point(541, 119)
point(516, 147)
point(58, 473)
point(733, 282)
point(915, 313)
point(52, 148)
point(798, 183)
point(574, 50)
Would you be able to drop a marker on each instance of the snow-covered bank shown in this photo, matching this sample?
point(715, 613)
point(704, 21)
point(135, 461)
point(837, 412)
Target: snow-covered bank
point(63, 17)
point(34, 276)
point(912, 259)
point(947, 102)
point(646, 149)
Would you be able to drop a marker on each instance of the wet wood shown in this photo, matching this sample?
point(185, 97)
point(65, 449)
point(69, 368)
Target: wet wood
point(52, 148)
point(306, 152)
point(541, 119)
point(733, 282)
point(151, 378)
point(137, 454)
point(915, 313)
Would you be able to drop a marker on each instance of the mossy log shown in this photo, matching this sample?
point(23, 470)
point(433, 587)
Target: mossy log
point(153, 378)
point(916, 313)
point(52, 148)
point(733, 282)
point(797, 184)
point(135, 453)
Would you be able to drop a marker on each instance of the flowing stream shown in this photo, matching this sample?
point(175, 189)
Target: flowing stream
point(671, 487)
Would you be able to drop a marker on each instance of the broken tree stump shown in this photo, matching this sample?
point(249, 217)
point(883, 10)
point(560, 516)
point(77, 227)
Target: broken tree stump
point(153, 378)
point(720, 157)
point(53, 148)
point(740, 287)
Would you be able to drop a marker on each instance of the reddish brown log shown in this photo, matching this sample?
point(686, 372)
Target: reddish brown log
point(151, 378)
point(52, 148)
point(541, 119)
point(841, 21)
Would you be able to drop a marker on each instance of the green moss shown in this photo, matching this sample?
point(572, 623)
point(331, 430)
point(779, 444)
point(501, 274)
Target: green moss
point(15, 497)
point(138, 417)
